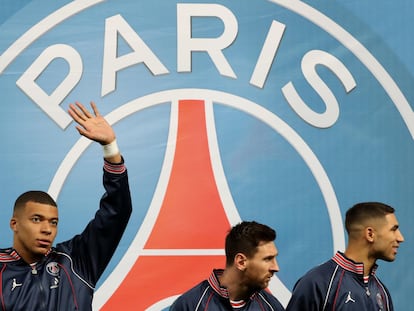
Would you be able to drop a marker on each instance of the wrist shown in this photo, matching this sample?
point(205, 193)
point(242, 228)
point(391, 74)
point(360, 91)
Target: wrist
point(110, 150)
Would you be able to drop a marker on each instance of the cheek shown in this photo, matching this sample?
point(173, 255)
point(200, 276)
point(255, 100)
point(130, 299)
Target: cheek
point(53, 231)
point(29, 230)
point(261, 269)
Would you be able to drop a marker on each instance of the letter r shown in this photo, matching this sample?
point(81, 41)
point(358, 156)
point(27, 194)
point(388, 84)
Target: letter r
point(213, 46)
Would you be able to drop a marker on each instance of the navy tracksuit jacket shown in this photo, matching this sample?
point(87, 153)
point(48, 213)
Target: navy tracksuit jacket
point(339, 285)
point(210, 296)
point(65, 278)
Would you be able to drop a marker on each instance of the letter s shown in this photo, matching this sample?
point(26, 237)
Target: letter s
point(331, 114)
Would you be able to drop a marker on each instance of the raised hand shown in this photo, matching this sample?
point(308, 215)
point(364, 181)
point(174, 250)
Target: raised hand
point(94, 127)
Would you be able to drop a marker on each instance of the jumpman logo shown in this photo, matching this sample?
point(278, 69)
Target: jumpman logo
point(15, 284)
point(349, 298)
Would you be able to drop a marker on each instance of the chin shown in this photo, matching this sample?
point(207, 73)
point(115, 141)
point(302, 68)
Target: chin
point(265, 285)
point(388, 259)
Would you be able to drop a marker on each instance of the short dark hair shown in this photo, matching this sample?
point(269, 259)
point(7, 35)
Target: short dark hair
point(33, 196)
point(245, 237)
point(361, 212)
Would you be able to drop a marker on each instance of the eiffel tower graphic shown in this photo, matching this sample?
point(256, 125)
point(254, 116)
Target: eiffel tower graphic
point(182, 236)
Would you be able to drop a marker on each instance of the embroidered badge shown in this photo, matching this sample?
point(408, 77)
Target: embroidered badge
point(52, 268)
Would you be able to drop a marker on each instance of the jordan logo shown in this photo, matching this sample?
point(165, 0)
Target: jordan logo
point(349, 298)
point(15, 284)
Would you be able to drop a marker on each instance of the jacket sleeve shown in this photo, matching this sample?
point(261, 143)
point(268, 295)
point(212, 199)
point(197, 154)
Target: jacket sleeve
point(92, 250)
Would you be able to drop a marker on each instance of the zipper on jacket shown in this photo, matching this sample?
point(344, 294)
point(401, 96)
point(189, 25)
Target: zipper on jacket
point(41, 288)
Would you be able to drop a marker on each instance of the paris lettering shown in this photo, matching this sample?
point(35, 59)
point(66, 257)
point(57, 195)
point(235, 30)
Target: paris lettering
point(141, 54)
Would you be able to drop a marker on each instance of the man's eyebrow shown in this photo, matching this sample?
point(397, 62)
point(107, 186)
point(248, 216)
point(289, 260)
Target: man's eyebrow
point(36, 215)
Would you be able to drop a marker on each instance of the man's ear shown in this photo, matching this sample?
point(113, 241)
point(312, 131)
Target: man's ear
point(240, 261)
point(13, 224)
point(369, 234)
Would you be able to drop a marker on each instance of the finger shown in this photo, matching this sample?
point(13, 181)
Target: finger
point(95, 109)
point(81, 130)
point(76, 114)
point(85, 111)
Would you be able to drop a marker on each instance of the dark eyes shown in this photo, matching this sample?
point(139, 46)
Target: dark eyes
point(37, 219)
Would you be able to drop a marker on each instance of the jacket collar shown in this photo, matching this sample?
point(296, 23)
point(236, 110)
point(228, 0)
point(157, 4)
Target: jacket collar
point(350, 265)
point(214, 282)
point(11, 255)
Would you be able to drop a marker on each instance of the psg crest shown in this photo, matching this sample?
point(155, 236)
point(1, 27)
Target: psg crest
point(284, 112)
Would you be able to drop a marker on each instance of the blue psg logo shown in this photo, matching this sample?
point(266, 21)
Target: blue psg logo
point(223, 112)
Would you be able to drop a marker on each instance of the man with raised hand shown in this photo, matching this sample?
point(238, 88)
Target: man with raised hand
point(34, 274)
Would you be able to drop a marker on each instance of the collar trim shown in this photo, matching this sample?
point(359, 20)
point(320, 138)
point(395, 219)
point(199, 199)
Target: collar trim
point(350, 265)
point(213, 280)
point(9, 255)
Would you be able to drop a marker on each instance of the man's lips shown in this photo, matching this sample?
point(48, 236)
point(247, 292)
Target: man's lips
point(43, 243)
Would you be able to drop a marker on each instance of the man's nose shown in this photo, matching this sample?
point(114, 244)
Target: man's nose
point(275, 266)
point(46, 227)
point(400, 237)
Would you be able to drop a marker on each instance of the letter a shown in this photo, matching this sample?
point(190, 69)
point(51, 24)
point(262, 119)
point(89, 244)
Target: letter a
point(141, 53)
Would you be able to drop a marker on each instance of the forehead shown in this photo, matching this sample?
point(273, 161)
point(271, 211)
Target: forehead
point(34, 208)
point(391, 219)
point(265, 249)
point(387, 222)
